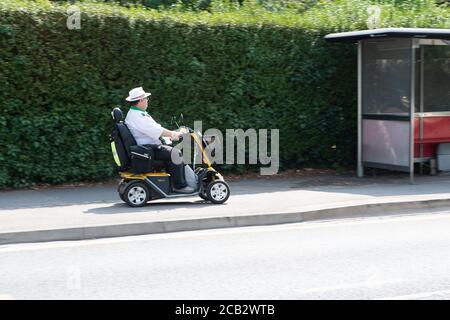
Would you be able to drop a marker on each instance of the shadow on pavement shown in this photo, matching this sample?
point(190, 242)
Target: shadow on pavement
point(118, 208)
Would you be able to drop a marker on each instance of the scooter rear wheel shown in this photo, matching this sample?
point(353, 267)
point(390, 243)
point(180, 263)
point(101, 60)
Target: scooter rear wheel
point(136, 194)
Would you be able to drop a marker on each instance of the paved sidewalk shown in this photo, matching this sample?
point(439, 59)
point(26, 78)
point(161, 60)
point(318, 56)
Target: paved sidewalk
point(94, 206)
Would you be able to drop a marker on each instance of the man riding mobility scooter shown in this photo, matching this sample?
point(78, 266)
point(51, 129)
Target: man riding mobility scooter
point(145, 179)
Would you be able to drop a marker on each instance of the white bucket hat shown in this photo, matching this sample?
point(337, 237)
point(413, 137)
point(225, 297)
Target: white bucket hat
point(137, 94)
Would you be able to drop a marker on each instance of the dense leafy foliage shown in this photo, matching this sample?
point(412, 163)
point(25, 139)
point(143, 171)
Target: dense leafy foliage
point(244, 67)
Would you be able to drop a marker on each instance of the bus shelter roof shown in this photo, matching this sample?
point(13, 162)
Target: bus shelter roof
point(420, 33)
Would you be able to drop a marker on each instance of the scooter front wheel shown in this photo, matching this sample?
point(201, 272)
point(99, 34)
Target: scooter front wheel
point(218, 191)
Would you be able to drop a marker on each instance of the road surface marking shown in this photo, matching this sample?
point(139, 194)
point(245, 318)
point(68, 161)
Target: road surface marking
point(418, 295)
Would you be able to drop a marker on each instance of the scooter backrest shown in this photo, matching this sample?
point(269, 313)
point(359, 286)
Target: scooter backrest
point(127, 137)
point(121, 156)
point(123, 139)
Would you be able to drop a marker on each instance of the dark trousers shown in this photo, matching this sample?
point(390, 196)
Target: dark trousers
point(163, 152)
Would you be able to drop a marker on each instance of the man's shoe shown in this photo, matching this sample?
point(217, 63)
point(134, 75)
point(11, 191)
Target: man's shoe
point(184, 190)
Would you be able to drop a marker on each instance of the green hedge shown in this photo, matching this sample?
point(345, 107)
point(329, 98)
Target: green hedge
point(242, 69)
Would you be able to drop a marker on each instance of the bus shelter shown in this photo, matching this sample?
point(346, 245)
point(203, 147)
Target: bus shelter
point(403, 97)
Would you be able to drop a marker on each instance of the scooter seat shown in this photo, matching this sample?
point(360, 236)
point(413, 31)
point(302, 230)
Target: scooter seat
point(159, 164)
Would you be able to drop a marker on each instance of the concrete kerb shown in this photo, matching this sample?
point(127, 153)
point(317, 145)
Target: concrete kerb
point(154, 227)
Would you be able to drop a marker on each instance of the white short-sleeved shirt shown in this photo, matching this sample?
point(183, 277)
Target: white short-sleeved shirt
point(144, 129)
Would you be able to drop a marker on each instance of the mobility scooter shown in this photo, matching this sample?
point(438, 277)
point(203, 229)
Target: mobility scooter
point(145, 179)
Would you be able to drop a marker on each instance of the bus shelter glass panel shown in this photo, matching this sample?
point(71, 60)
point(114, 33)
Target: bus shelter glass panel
point(386, 102)
point(386, 76)
point(436, 78)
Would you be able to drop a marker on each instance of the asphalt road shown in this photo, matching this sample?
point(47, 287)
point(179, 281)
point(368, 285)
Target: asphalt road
point(405, 257)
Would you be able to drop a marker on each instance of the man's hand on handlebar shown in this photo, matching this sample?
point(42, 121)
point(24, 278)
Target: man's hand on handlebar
point(177, 135)
point(183, 130)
